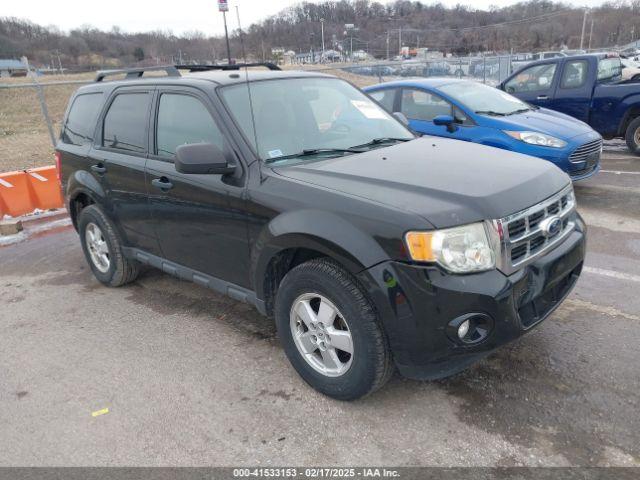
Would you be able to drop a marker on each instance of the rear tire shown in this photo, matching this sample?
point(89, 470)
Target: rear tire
point(632, 136)
point(102, 248)
point(335, 307)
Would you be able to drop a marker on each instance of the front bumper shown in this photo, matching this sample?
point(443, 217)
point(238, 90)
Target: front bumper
point(416, 303)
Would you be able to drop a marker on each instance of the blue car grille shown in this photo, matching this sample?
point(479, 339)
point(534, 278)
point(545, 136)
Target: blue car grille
point(590, 150)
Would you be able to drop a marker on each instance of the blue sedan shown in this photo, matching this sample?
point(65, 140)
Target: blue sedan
point(471, 111)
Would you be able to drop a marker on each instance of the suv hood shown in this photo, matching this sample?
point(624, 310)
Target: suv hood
point(447, 182)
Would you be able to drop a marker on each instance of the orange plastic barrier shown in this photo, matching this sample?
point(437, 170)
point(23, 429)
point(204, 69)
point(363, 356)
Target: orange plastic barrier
point(23, 192)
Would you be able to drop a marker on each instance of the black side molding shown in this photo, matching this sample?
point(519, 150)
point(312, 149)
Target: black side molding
point(226, 288)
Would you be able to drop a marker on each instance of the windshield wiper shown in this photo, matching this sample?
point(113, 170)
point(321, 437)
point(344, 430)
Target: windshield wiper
point(521, 110)
point(309, 152)
point(382, 141)
point(490, 112)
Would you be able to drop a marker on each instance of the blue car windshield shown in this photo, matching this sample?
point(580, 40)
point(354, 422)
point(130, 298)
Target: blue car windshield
point(484, 99)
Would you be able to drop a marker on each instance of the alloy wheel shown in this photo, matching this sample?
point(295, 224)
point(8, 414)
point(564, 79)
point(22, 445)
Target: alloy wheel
point(321, 334)
point(98, 248)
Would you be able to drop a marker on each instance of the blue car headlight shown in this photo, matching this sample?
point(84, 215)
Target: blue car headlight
point(535, 138)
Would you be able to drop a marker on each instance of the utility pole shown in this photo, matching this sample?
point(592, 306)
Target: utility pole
point(590, 33)
point(223, 7)
point(400, 40)
point(244, 56)
point(387, 45)
point(322, 33)
point(584, 24)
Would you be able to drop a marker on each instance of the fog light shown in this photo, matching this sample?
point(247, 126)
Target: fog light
point(470, 329)
point(463, 329)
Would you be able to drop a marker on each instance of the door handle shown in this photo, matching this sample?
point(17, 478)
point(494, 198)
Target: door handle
point(99, 168)
point(162, 183)
point(543, 97)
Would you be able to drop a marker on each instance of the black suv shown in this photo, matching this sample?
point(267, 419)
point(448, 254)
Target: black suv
point(297, 193)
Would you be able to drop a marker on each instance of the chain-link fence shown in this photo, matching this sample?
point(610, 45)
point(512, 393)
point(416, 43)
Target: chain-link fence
point(489, 70)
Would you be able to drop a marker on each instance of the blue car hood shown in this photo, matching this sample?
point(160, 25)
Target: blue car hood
point(543, 120)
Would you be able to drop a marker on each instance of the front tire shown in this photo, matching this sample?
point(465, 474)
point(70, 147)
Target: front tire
point(632, 136)
point(330, 331)
point(102, 248)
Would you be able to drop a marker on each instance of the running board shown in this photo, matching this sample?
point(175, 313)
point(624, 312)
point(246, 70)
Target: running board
point(185, 273)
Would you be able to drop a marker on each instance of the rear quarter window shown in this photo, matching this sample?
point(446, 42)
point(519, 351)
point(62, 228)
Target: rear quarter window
point(81, 121)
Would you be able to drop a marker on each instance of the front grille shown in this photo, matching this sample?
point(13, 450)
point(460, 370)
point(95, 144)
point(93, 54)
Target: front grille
point(525, 235)
point(586, 151)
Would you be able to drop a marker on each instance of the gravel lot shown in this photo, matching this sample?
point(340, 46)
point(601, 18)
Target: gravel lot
point(192, 378)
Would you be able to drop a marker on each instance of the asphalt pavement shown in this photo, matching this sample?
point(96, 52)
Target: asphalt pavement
point(193, 378)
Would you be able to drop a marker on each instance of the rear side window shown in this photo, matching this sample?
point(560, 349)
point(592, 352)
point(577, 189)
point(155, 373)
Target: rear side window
point(609, 68)
point(385, 98)
point(421, 105)
point(574, 75)
point(125, 124)
point(81, 121)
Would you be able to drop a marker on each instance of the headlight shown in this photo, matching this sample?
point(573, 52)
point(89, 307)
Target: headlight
point(459, 250)
point(535, 138)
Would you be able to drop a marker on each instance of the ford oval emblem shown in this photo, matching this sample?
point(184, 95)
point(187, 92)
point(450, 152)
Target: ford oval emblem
point(551, 226)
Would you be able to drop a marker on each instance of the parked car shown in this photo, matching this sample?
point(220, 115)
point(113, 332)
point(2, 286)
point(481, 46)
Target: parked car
point(295, 192)
point(548, 55)
point(471, 111)
point(436, 69)
point(587, 87)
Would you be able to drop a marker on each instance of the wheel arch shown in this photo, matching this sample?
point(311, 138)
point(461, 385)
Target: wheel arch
point(83, 190)
point(291, 239)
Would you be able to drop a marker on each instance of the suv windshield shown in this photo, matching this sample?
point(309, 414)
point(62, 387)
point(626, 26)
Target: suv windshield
point(299, 119)
point(484, 99)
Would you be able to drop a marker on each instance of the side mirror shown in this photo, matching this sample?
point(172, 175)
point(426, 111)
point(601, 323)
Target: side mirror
point(446, 121)
point(401, 118)
point(203, 158)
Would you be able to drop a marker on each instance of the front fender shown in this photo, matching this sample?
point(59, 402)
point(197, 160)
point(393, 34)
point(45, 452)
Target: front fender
point(317, 230)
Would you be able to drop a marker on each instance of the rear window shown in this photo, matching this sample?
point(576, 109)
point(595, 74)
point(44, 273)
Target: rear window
point(125, 124)
point(81, 121)
point(609, 69)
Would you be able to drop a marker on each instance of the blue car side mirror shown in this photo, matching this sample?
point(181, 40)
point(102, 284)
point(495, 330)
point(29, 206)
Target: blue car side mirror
point(446, 121)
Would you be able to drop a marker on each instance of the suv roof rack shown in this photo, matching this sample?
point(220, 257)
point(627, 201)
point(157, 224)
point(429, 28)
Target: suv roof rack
point(233, 66)
point(131, 73)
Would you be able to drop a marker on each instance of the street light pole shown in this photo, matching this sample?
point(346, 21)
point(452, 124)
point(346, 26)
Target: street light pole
point(226, 36)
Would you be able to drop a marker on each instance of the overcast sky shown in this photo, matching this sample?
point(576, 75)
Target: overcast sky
point(180, 17)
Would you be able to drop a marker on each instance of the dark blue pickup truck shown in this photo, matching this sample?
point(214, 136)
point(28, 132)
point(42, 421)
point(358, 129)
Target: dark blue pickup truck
point(587, 87)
